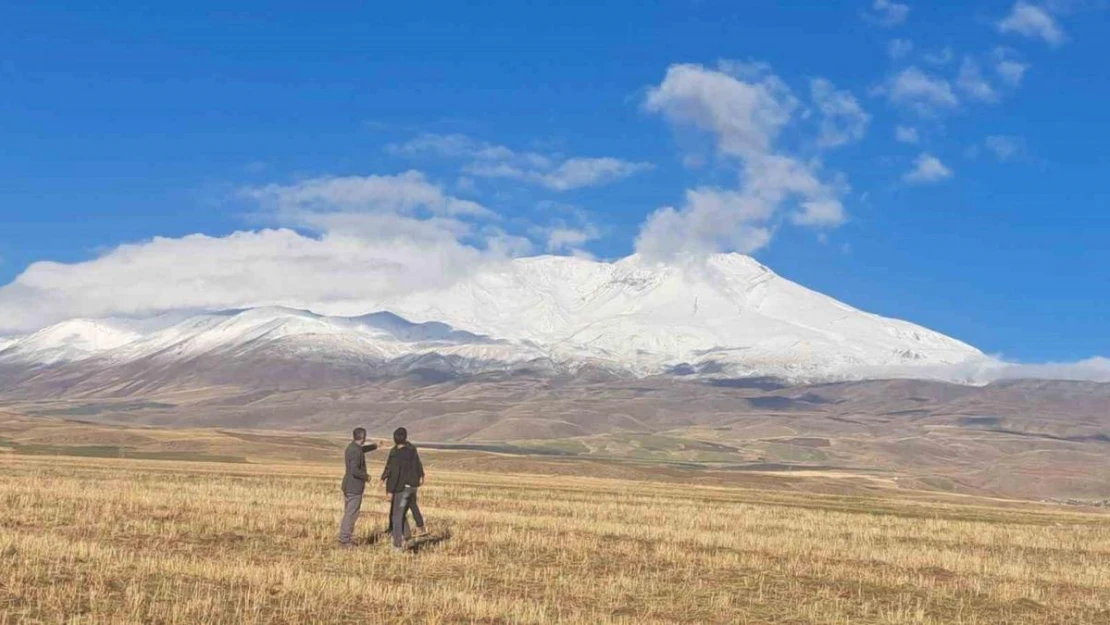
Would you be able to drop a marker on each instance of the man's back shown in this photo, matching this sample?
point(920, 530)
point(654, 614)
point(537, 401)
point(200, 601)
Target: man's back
point(403, 468)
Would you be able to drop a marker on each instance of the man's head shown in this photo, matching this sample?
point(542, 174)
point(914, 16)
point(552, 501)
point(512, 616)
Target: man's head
point(400, 436)
point(359, 435)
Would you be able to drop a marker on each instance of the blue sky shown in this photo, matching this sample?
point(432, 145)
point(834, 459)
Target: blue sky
point(939, 162)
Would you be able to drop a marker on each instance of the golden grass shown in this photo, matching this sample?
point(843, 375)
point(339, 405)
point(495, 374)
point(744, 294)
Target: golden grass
point(108, 541)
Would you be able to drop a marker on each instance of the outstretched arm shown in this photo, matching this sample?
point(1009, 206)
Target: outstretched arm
point(370, 447)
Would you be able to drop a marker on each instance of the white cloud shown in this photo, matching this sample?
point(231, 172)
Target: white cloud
point(1031, 21)
point(887, 13)
point(368, 238)
point(568, 231)
point(898, 49)
point(1008, 68)
point(820, 213)
point(843, 120)
point(1011, 71)
point(745, 115)
point(921, 92)
point(403, 193)
point(711, 219)
point(487, 160)
point(1004, 147)
point(972, 82)
point(745, 108)
point(567, 239)
point(927, 168)
point(242, 269)
point(906, 134)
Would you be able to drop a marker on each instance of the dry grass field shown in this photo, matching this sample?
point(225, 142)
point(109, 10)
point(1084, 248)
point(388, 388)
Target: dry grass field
point(87, 540)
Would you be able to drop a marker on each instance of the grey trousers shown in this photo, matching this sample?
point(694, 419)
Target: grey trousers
point(351, 506)
point(398, 518)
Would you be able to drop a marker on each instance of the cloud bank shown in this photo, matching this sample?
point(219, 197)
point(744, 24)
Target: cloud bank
point(339, 244)
point(990, 369)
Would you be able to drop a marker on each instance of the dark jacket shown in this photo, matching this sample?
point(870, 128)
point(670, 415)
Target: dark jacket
point(354, 480)
point(402, 469)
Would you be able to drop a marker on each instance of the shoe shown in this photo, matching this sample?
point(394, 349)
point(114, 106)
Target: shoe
point(420, 532)
point(346, 545)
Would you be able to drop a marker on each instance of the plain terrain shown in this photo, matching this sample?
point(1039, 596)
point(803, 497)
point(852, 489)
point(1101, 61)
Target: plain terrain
point(250, 539)
point(1029, 439)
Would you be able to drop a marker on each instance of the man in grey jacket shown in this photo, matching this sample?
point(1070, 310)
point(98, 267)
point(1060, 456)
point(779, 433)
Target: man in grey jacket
point(354, 483)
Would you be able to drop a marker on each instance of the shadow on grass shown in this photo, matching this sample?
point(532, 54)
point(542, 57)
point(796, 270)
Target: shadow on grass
point(414, 545)
point(421, 543)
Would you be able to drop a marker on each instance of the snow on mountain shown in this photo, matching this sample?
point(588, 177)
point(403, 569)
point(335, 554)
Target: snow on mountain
point(75, 339)
point(731, 316)
point(731, 313)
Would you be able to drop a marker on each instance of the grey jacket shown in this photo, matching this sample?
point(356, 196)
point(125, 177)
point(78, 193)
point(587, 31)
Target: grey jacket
point(354, 480)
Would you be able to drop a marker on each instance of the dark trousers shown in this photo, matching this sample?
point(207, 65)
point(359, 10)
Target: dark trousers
point(403, 502)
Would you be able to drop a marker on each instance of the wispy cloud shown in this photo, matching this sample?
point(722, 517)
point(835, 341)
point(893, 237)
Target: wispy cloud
point(906, 134)
point(944, 56)
point(486, 160)
point(568, 231)
point(1029, 20)
point(920, 91)
point(1003, 147)
point(927, 168)
point(899, 49)
point(569, 239)
point(1008, 67)
point(972, 83)
point(573, 173)
point(843, 120)
point(887, 13)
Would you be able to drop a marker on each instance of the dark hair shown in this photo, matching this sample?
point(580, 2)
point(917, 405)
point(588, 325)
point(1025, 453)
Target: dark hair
point(400, 436)
point(359, 434)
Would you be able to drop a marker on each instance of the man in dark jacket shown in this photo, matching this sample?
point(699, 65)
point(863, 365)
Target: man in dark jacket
point(403, 474)
point(354, 483)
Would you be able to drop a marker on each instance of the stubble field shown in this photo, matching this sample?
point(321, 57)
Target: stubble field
point(137, 541)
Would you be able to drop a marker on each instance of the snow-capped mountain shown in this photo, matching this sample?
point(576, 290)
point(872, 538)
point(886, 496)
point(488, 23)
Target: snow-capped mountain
point(76, 339)
point(729, 316)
